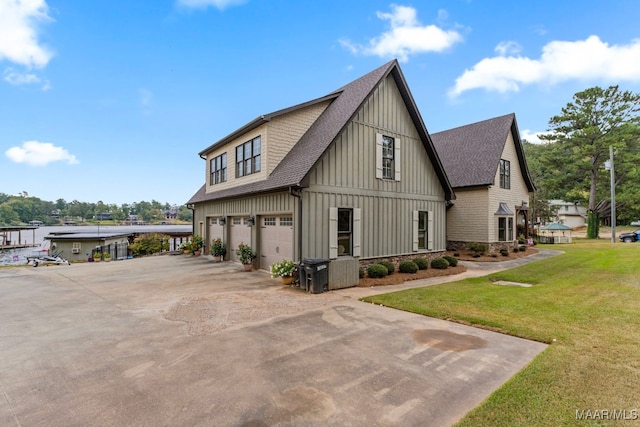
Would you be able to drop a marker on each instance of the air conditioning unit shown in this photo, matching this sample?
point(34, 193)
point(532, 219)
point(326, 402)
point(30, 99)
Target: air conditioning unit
point(75, 250)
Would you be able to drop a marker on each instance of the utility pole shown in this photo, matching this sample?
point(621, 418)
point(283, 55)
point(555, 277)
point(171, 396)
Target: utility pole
point(609, 166)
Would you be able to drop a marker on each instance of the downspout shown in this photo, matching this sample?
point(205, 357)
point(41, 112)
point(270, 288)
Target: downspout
point(297, 193)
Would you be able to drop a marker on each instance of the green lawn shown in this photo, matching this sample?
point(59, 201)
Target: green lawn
point(584, 303)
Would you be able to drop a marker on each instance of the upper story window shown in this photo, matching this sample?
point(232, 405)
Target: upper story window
point(248, 158)
point(387, 157)
point(388, 171)
point(505, 174)
point(218, 169)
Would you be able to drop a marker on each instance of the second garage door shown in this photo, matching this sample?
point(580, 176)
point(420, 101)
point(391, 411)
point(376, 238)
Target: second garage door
point(239, 232)
point(276, 239)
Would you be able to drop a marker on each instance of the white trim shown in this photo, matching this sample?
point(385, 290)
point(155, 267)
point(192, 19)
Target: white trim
point(333, 233)
point(379, 141)
point(430, 230)
point(396, 158)
point(357, 232)
point(415, 230)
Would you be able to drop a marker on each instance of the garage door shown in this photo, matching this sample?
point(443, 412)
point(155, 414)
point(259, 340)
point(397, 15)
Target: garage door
point(239, 232)
point(215, 231)
point(276, 239)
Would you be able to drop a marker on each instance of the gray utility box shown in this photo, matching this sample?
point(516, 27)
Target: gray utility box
point(315, 275)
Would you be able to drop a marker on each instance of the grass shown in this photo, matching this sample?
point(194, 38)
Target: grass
point(584, 303)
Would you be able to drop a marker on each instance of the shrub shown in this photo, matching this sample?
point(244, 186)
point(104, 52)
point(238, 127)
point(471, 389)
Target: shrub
point(477, 248)
point(477, 255)
point(377, 270)
point(422, 263)
point(492, 255)
point(504, 252)
point(456, 254)
point(522, 248)
point(515, 250)
point(361, 273)
point(440, 263)
point(408, 267)
point(391, 267)
point(146, 244)
point(451, 260)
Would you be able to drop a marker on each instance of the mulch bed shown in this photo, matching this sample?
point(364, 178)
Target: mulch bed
point(467, 256)
point(397, 278)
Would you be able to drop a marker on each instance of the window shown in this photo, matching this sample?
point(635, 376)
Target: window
point(387, 157)
point(344, 232)
point(505, 174)
point(286, 221)
point(248, 158)
point(270, 221)
point(388, 171)
point(219, 169)
point(78, 245)
point(422, 229)
point(237, 221)
point(505, 229)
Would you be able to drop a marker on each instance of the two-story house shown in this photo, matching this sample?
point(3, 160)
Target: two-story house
point(486, 166)
point(352, 176)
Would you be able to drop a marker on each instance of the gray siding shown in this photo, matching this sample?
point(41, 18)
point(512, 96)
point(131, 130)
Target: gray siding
point(255, 205)
point(346, 177)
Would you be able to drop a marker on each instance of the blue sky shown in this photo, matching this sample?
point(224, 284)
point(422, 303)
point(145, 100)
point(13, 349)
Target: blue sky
point(112, 100)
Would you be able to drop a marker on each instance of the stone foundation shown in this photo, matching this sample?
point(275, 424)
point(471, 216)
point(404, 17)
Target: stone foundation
point(491, 247)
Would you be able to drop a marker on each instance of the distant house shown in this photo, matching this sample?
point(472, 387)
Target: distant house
point(486, 166)
point(352, 177)
point(568, 213)
point(171, 213)
point(104, 216)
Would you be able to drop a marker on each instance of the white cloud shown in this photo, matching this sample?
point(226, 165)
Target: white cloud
point(203, 4)
point(508, 48)
point(590, 59)
point(19, 21)
point(533, 137)
point(37, 153)
point(17, 78)
point(406, 36)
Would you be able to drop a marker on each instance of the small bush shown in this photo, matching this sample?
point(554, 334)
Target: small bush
point(440, 263)
point(522, 248)
point(477, 248)
point(422, 263)
point(456, 254)
point(515, 250)
point(477, 255)
point(408, 267)
point(492, 255)
point(451, 260)
point(391, 267)
point(361, 273)
point(504, 252)
point(377, 270)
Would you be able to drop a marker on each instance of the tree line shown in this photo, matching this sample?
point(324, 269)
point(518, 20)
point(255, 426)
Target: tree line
point(21, 209)
point(572, 163)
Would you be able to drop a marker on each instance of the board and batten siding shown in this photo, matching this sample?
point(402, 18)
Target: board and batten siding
point(513, 196)
point(345, 177)
point(258, 205)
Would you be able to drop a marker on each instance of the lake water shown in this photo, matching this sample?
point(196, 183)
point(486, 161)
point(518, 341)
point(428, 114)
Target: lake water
point(19, 256)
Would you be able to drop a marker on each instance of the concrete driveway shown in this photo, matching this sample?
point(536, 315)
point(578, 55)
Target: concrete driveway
point(178, 340)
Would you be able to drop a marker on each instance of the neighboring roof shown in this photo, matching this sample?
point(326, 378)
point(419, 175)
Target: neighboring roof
point(345, 104)
point(85, 236)
point(471, 153)
point(555, 226)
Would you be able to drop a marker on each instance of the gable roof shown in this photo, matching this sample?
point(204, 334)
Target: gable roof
point(346, 102)
point(471, 153)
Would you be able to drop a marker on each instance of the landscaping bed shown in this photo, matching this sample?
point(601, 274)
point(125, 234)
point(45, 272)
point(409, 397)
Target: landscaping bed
point(397, 277)
point(467, 255)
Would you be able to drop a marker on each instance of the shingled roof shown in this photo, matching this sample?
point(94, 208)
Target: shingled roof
point(471, 153)
point(345, 104)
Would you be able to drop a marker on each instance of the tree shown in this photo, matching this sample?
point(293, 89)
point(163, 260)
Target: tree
point(581, 136)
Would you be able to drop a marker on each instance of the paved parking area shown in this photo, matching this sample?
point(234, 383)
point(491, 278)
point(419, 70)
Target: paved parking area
point(179, 340)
